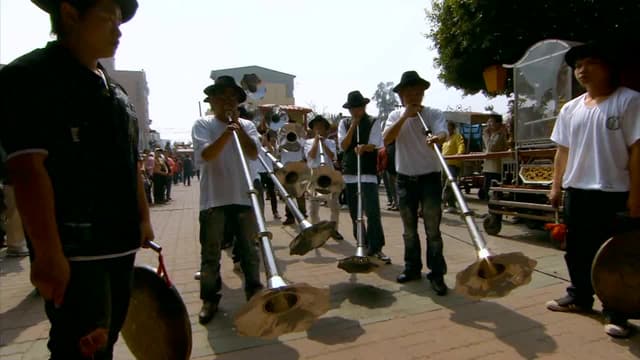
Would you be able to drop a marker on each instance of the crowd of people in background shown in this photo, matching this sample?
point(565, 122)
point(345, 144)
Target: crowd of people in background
point(161, 170)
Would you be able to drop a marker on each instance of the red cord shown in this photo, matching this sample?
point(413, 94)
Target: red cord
point(162, 271)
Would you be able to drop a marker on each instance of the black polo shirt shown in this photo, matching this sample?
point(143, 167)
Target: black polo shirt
point(52, 104)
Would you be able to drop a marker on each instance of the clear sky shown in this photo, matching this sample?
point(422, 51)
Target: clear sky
point(331, 46)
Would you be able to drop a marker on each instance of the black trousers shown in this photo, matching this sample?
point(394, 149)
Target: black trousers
point(590, 216)
point(159, 190)
point(97, 297)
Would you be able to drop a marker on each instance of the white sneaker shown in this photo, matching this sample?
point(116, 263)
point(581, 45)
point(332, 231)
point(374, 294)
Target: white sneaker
point(617, 331)
point(450, 210)
point(17, 252)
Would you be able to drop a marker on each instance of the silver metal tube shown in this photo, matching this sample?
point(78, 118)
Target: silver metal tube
point(323, 159)
point(288, 198)
point(270, 265)
point(359, 234)
point(474, 232)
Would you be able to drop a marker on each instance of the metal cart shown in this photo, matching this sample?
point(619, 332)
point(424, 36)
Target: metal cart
point(543, 83)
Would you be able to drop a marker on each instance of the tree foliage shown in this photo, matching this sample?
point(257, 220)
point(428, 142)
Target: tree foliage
point(470, 35)
point(385, 99)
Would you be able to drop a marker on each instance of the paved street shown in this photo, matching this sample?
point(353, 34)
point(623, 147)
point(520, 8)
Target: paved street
point(371, 316)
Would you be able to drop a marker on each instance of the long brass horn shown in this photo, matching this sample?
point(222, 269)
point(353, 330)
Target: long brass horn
point(491, 275)
point(281, 307)
point(295, 175)
point(360, 262)
point(311, 236)
point(325, 179)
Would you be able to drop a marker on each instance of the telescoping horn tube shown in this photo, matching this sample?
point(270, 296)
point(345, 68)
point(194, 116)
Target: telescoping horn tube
point(491, 275)
point(310, 236)
point(325, 179)
point(360, 262)
point(281, 307)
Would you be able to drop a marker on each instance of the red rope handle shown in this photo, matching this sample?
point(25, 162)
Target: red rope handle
point(162, 270)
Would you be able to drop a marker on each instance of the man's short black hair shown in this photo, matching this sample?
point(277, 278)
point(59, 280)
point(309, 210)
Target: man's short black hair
point(497, 118)
point(82, 6)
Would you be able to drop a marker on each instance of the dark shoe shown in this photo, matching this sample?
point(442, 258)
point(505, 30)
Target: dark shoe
point(288, 221)
point(438, 285)
point(337, 236)
point(406, 277)
point(569, 304)
point(208, 310)
point(382, 257)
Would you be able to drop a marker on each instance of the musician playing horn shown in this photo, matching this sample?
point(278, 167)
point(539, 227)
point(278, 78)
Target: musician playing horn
point(418, 178)
point(223, 196)
point(597, 162)
point(370, 141)
point(292, 152)
point(320, 127)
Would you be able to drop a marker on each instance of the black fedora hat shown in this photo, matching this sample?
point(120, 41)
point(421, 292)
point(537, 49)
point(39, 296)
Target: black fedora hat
point(355, 99)
point(411, 78)
point(319, 118)
point(128, 8)
point(608, 53)
point(224, 82)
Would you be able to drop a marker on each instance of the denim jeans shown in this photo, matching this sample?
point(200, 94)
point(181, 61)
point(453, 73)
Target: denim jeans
point(97, 297)
point(587, 230)
point(241, 220)
point(373, 234)
point(425, 190)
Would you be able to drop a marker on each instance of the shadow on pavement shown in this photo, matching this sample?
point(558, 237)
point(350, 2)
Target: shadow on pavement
point(29, 312)
point(335, 330)
point(359, 294)
point(508, 326)
point(10, 265)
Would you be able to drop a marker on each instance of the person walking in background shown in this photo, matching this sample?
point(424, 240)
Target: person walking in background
point(453, 146)
point(187, 170)
point(495, 139)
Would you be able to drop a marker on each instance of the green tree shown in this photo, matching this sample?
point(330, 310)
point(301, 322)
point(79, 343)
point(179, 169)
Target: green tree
point(385, 99)
point(470, 35)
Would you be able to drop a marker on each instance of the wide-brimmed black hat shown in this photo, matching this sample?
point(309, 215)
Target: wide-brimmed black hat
point(128, 8)
point(609, 53)
point(411, 78)
point(224, 82)
point(355, 99)
point(319, 118)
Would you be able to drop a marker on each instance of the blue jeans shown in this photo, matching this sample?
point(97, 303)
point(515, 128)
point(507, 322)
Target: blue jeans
point(241, 220)
point(425, 190)
point(373, 234)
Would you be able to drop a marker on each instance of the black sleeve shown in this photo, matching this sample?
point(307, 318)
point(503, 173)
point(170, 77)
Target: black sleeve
point(23, 124)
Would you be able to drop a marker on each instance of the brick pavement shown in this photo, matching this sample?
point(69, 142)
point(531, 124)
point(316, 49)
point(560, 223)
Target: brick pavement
point(371, 316)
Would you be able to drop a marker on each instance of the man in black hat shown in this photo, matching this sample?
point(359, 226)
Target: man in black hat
point(418, 178)
point(370, 132)
point(597, 162)
point(223, 192)
point(320, 127)
point(85, 219)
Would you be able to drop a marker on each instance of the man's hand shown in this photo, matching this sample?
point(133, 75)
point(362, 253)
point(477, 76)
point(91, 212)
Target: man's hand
point(555, 197)
point(411, 111)
point(361, 149)
point(234, 126)
point(432, 139)
point(50, 275)
point(146, 233)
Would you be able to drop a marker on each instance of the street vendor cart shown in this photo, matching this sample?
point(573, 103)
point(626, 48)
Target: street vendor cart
point(543, 83)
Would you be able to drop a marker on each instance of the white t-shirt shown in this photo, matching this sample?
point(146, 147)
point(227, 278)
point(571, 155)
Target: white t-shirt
point(291, 156)
point(222, 180)
point(375, 138)
point(315, 162)
point(413, 156)
point(598, 139)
